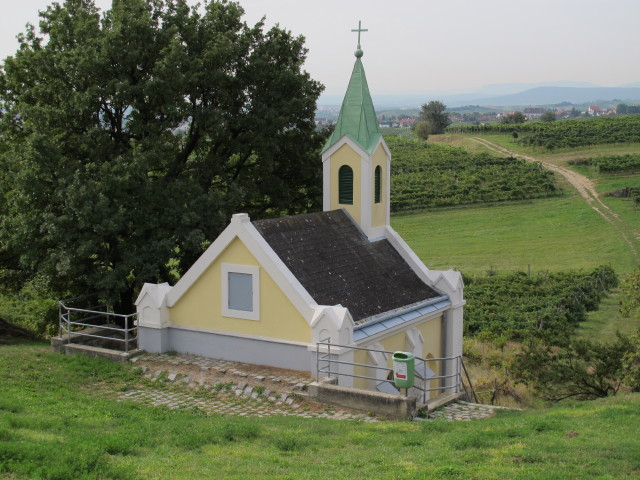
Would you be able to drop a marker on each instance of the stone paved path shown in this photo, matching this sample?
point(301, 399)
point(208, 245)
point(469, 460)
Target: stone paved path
point(221, 387)
point(464, 411)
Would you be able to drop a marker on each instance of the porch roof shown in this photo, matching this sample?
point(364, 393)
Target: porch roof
point(380, 323)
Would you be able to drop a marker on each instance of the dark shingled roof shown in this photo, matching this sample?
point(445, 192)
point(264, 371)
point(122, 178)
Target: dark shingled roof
point(336, 263)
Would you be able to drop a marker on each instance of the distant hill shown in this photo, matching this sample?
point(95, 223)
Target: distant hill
point(571, 92)
point(551, 95)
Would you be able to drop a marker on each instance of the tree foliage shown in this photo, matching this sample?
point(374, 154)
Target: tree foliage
point(547, 306)
point(132, 136)
point(583, 369)
point(623, 109)
point(435, 115)
point(513, 118)
point(630, 287)
point(631, 364)
point(421, 129)
point(548, 116)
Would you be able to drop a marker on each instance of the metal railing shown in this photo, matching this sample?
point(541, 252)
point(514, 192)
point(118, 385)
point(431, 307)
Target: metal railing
point(98, 325)
point(446, 382)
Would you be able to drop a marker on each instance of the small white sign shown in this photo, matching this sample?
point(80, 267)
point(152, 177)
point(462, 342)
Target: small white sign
point(400, 370)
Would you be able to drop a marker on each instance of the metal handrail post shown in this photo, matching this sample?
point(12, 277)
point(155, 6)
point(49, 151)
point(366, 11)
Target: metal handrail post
point(68, 319)
point(60, 329)
point(126, 334)
point(425, 380)
point(329, 356)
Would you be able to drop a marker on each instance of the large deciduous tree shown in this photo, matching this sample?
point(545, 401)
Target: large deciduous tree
point(435, 115)
point(130, 137)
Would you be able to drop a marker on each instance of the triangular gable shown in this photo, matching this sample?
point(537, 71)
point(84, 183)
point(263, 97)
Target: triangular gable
point(345, 139)
point(241, 228)
point(156, 293)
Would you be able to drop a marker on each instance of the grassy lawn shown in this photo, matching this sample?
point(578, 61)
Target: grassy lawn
point(548, 234)
point(606, 321)
point(56, 422)
point(463, 141)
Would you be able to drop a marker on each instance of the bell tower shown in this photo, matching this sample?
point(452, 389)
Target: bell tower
point(356, 160)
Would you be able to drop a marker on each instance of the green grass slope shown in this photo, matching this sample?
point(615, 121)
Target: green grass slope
point(58, 422)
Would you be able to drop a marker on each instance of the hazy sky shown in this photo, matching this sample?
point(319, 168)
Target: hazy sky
point(426, 46)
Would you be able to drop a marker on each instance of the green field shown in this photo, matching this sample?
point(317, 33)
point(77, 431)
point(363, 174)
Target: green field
point(57, 421)
point(546, 234)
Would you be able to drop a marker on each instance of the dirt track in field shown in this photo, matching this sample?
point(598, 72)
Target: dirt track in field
point(585, 188)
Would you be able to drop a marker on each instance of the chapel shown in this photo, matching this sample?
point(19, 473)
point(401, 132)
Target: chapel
point(267, 291)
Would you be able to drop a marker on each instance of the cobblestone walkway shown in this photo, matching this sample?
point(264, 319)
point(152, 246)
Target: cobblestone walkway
point(228, 388)
point(464, 411)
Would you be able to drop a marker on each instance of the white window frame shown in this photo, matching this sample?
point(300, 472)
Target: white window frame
point(255, 277)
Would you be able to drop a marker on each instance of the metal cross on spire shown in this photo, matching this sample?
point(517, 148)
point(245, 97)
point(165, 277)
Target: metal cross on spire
point(359, 29)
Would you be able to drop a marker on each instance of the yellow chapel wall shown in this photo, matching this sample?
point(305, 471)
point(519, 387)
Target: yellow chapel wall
point(201, 305)
point(431, 348)
point(432, 333)
point(379, 210)
point(362, 357)
point(345, 155)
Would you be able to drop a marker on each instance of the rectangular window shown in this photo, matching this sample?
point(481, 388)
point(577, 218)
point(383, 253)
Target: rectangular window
point(240, 291)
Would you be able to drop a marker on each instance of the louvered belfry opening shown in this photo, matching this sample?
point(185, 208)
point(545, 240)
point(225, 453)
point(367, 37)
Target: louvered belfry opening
point(345, 185)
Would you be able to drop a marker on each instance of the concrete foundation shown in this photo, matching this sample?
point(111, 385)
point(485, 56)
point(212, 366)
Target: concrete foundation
point(112, 355)
point(383, 404)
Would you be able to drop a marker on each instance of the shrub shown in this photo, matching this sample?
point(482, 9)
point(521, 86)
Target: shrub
point(32, 308)
point(583, 369)
point(548, 305)
point(631, 364)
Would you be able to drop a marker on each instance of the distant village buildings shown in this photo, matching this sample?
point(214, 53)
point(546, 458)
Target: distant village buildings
point(327, 115)
point(594, 110)
point(534, 113)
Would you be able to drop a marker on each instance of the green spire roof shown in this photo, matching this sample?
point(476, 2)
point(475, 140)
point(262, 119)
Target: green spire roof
point(357, 118)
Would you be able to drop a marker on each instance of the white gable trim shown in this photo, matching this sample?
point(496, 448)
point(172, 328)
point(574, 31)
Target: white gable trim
point(336, 146)
point(407, 254)
point(447, 281)
point(242, 228)
point(384, 145)
point(357, 148)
